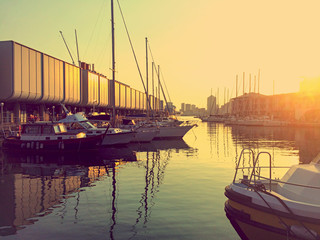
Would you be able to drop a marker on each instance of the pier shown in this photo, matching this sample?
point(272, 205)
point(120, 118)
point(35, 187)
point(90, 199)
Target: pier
point(33, 84)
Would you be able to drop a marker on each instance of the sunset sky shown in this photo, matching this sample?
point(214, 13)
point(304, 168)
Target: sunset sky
point(199, 45)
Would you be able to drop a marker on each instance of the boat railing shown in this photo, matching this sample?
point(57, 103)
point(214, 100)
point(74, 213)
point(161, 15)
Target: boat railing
point(189, 123)
point(255, 175)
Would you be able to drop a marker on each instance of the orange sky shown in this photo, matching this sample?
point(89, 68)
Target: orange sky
point(199, 45)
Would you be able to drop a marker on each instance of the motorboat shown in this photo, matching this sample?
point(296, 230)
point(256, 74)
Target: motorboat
point(173, 129)
point(50, 137)
point(113, 136)
point(166, 128)
point(170, 128)
point(260, 206)
point(142, 134)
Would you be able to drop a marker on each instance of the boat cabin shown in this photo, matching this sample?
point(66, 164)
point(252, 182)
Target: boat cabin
point(46, 128)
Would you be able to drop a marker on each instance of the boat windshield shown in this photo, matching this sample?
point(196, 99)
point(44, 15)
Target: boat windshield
point(56, 129)
point(87, 125)
point(63, 128)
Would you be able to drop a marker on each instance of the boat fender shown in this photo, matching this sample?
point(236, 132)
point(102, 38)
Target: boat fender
point(303, 232)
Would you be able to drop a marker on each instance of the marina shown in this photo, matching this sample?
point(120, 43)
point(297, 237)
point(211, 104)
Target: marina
point(149, 190)
point(93, 145)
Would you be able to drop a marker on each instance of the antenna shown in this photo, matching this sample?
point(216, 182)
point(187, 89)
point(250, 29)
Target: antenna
point(77, 47)
point(250, 83)
point(65, 109)
point(243, 82)
point(67, 47)
point(259, 81)
point(236, 85)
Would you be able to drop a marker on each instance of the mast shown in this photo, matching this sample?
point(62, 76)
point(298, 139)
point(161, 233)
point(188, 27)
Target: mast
point(250, 83)
point(147, 80)
point(77, 47)
point(243, 82)
point(236, 85)
point(159, 87)
point(113, 69)
point(228, 102)
point(259, 81)
point(153, 102)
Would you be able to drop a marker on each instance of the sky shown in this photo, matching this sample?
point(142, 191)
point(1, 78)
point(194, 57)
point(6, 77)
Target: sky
point(200, 46)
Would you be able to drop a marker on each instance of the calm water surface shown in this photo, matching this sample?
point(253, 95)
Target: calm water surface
point(161, 190)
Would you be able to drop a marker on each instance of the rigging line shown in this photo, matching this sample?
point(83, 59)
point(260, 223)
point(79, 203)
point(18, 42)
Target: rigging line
point(161, 73)
point(96, 47)
point(105, 53)
point(165, 85)
point(134, 54)
point(161, 87)
point(94, 28)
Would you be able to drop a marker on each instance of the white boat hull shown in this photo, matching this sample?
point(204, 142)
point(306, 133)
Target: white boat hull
point(144, 135)
point(123, 138)
point(176, 132)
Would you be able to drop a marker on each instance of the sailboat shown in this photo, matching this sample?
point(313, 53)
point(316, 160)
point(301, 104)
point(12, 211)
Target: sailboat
point(172, 128)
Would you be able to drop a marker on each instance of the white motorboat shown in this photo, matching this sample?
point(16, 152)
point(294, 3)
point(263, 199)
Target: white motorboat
point(173, 129)
point(142, 134)
point(113, 136)
point(166, 128)
point(117, 136)
point(260, 207)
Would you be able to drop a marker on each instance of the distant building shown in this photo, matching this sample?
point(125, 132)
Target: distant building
point(211, 105)
point(281, 106)
point(188, 107)
point(183, 107)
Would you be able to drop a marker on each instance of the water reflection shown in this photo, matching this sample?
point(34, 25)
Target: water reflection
point(156, 145)
point(219, 138)
point(304, 142)
point(33, 186)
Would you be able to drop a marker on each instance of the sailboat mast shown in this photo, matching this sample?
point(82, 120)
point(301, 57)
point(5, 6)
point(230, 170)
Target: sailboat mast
point(159, 87)
point(243, 82)
point(113, 69)
point(77, 47)
point(147, 78)
point(153, 101)
point(236, 86)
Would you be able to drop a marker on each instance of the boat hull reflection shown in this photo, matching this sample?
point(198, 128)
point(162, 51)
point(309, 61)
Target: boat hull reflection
point(157, 145)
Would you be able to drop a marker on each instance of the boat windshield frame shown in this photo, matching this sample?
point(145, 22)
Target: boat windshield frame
point(87, 124)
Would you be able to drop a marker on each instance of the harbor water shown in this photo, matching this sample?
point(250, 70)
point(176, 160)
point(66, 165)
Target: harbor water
point(166, 189)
